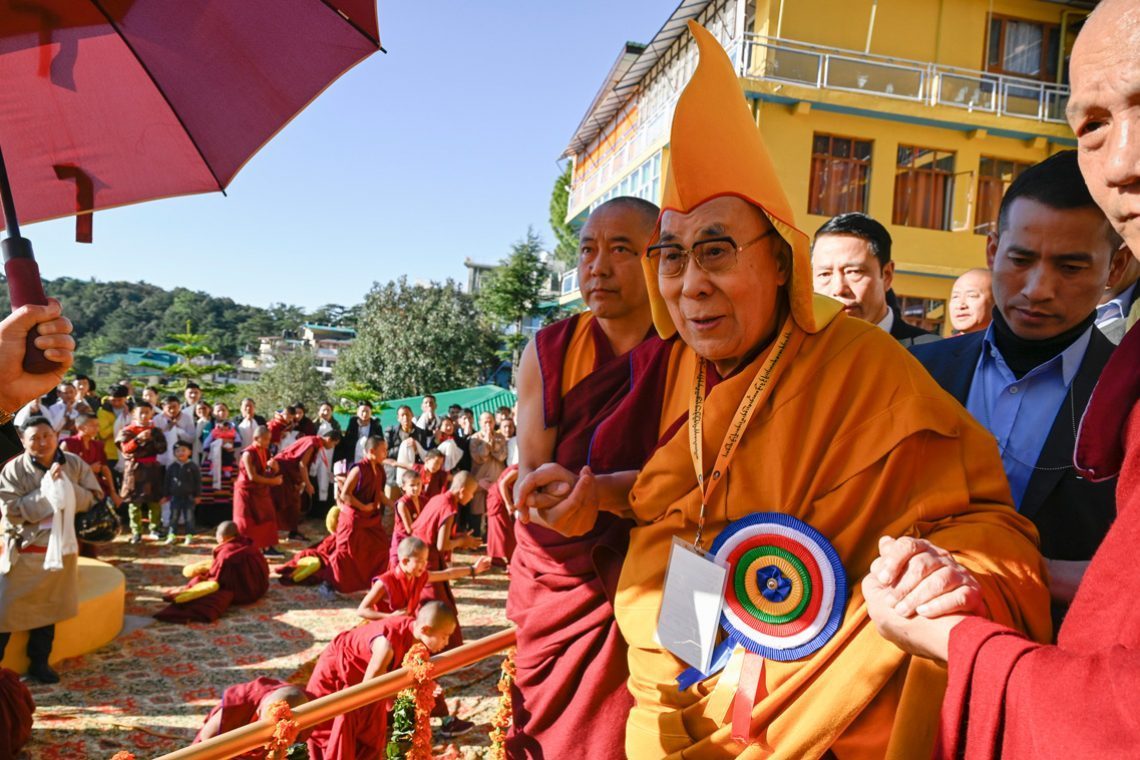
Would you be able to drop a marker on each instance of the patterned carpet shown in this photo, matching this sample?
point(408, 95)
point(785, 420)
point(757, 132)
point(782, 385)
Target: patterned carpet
point(149, 690)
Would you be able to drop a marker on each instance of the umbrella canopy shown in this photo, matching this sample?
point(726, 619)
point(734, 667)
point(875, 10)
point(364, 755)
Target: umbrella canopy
point(111, 102)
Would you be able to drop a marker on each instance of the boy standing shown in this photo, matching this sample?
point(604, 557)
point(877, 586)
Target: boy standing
point(182, 489)
point(140, 443)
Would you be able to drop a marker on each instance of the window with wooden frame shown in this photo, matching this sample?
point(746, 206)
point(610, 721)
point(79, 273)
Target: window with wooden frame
point(924, 187)
point(994, 178)
point(1023, 48)
point(840, 175)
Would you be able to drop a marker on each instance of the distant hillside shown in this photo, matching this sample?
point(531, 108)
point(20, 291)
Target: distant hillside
point(110, 316)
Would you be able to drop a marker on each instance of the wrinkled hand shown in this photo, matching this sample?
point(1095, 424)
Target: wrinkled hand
point(556, 498)
point(482, 565)
point(18, 387)
point(925, 579)
point(917, 635)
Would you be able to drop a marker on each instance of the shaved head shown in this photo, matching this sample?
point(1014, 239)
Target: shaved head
point(437, 616)
point(294, 696)
point(410, 547)
point(227, 530)
point(639, 208)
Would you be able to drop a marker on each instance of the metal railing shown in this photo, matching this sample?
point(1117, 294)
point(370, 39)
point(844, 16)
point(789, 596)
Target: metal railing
point(933, 84)
point(255, 735)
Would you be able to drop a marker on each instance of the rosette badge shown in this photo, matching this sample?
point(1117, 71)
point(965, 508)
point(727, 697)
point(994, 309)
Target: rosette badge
point(786, 586)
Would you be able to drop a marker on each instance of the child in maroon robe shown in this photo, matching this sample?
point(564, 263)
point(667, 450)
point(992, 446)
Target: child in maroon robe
point(238, 567)
point(500, 525)
point(293, 462)
point(253, 504)
point(407, 510)
point(436, 528)
point(358, 551)
point(245, 703)
point(358, 655)
point(399, 591)
point(432, 474)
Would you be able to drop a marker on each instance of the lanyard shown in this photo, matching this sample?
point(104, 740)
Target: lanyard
point(757, 394)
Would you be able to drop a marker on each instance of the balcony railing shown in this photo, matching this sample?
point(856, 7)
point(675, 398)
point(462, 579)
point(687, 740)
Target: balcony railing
point(928, 83)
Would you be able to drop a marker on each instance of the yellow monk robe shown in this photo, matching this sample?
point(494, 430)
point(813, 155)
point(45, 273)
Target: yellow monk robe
point(856, 440)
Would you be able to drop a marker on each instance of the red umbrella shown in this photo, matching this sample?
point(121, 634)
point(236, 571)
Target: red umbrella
point(104, 103)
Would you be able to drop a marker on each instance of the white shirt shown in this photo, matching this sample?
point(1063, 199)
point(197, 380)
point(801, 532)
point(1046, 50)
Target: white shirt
point(888, 322)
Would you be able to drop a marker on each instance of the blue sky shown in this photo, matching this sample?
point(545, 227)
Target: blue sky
point(444, 148)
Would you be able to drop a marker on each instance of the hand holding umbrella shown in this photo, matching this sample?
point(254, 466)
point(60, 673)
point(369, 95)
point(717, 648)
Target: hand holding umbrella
point(18, 386)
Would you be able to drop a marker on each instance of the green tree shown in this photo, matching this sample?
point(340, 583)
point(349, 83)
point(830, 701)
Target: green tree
point(509, 294)
point(413, 339)
point(293, 378)
point(566, 239)
point(196, 364)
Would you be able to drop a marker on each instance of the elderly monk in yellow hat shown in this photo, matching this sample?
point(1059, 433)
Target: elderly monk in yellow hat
point(793, 438)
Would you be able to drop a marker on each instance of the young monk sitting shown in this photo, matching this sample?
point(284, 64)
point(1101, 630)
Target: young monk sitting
point(436, 528)
point(361, 654)
point(245, 703)
point(399, 591)
point(357, 551)
point(238, 574)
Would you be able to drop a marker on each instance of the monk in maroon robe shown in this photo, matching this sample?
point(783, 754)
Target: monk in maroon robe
point(400, 591)
point(253, 504)
point(436, 527)
point(16, 708)
point(432, 475)
point(570, 698)
point(293, 462)
point(1008, 697)
point(239, 569)
point(500, 524)
point(358, 551)
point(358, 655)
point(245, 703)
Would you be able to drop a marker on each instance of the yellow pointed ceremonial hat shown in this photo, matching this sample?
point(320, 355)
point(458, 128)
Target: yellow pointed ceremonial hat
point(715, 149)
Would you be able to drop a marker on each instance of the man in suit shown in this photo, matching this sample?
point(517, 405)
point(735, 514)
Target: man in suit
point(351, 446)
point(1029, 376)
point(851, 262)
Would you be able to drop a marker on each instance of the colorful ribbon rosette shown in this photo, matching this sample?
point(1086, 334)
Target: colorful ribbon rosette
point(785, 598)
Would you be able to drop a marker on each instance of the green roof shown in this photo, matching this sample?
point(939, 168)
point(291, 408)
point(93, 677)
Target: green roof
point(481, 398)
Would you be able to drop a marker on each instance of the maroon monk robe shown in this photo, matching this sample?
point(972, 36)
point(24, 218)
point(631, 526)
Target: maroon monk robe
point(351, 557)
point(16, 708)
point(207, 609)
point(402, 592)
point(287, 497)
point(433, 482)
point(570, 698)
point(500, 526)
point(360, 733)
point(239, 707)
point(398, 531)
point(253, 505)
point(435, 513)
point(1011, 698)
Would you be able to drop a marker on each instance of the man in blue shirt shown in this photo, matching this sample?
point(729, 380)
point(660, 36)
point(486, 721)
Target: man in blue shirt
point(1029, 376)
point(1118, 309)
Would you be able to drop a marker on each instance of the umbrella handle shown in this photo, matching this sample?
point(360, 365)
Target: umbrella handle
point(25, 287)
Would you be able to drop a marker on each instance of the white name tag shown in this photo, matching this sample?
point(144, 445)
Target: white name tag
point(691, 604)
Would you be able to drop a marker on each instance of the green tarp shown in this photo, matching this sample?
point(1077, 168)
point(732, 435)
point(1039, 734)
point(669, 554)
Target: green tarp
point(482, 398)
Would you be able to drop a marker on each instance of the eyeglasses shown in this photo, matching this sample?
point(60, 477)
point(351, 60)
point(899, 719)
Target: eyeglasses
point(712, 256)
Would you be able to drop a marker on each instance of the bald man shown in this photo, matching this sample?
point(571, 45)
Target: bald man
point(1009, 697)
point(972, 301)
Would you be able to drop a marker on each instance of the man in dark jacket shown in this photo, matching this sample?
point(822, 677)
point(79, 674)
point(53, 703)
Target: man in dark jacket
point(851, 262)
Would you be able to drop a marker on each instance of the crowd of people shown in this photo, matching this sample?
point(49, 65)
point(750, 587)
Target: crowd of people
point(396, 503)
point(915, 544)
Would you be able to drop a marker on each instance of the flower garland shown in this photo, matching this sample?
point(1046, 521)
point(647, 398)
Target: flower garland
point(123, 755)
point(284, 732)
point(504, 716)
point(411, 714)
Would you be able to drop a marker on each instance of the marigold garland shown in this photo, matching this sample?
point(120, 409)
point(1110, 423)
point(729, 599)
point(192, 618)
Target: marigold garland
point(417, 700)
point(284, 733)
point(504, 716)
point(123, 755)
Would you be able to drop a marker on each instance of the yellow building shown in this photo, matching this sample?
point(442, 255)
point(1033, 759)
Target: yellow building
point(917, 112)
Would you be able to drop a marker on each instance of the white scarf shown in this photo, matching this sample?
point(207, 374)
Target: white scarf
point(61, 495)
